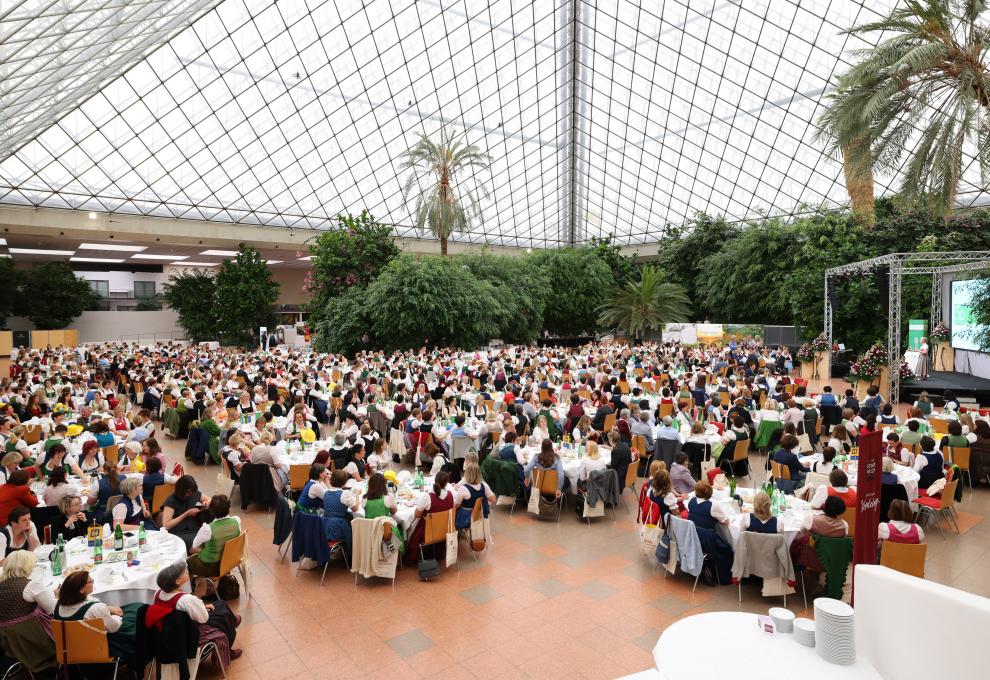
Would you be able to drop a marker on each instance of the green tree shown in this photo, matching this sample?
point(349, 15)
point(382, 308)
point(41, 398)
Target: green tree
point(432, 300)
point(52, 295)
point(192, 295)
point(520, 289)
point(644, 305)
point(10, 284)
point(624, 268)
point(577, 283)
point(345, 324)
point(245, 297)
point(928, 73)
point(352, 253)
point(451, 168)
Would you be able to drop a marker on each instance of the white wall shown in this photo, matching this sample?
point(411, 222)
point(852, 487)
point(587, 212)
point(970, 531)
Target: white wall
point(114, 326)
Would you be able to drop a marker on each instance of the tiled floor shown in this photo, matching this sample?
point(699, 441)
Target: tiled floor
point(546, 600)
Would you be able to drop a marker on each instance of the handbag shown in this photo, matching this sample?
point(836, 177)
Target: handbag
point(804, 442)
point(594, 510)
point(478, 540)
point(662, 552)
point(649, 539)
point(534, 500)
point(451, 556)
point(428, 569)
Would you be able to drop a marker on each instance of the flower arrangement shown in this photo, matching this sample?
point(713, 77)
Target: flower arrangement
point(869, 364)
point(819, 344)
point(940, 333)
point(804, 353)
point(308, 436)
point(906, 374)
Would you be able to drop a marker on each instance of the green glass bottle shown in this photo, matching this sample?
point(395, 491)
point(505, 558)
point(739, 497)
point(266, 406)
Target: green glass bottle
point(118, 538)
point(142, 536)
point(56, 562)
point(98, 552)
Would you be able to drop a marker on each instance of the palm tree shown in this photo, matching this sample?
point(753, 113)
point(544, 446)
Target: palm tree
point(645, 305)
point(446, 209)
point(927, 81)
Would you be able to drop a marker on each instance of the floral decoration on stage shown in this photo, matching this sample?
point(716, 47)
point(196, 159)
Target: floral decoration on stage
point(869, 365)
point(940, 333)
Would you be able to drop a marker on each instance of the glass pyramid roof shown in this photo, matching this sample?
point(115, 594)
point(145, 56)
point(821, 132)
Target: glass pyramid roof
point(607, 117)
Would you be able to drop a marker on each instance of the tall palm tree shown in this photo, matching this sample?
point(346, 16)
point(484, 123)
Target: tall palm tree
point(445, 208)
point(927, 83)
point(645, 305)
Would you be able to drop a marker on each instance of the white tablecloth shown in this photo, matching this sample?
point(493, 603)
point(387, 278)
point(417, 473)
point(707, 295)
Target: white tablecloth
point(907, 476)
point(117, 584)
point(745, 651)
point(572, 464)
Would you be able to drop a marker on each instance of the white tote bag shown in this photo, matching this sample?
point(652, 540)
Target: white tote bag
point(534, 493)
point(451, 541)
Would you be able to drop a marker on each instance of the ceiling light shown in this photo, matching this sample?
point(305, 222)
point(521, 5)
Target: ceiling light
point(220, 253)
point(4, 254)
point(108, 260)
point(92, 216)
point(3, 241)
point(40, 251)
point(307, 258)
point(111, 246)
point(274, 261)
point(160, 257)
point(197, 264)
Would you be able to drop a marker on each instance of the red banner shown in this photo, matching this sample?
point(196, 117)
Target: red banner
point(868, 480)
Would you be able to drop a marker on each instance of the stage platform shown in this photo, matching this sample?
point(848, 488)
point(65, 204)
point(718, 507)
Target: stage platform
point(961, 384)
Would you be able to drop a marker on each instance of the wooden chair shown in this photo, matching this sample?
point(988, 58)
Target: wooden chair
point(112, 501)
point(943, 505)
point(489, 405)
point(850, 518)
point(476, 516)
point(904, 557)
point(666, 410)
point(32, 434)
point(496, 437)
point(169, 401)
point(789, 389)
point(82, 642)
point(438, 524)
point(111, 453)
point(476, 384)
point(630, 481)
point(544, 395)
point(959, 455)
point(725, 399)
point(639, 444)
point(231, 558)
point(624, 387)
point(546, 482)
point(162, 492)
point(779, 470)
point(609, 423)
point(740, 452)
point(298, 476)
point(225, 466)
point(939, 425)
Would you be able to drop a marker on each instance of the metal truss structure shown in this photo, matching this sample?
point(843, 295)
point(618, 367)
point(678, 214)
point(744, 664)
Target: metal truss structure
point(900, 265)
point(606, 117)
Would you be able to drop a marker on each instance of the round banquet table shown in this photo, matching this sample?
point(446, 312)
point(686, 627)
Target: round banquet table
point(117, 584)
point(748, 652)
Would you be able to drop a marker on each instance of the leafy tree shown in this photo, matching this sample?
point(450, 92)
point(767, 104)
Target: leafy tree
point(350, 254)
point(520, 289)
point(624, 269)
point(151, 303)
point(577, 283)
point(434, 301)
point(345, 324)
point(52, 295)
point(929, 73)
point(644, 305)
point(192, 294)
point(10, 283)
point(245, 297)
point(452, 168)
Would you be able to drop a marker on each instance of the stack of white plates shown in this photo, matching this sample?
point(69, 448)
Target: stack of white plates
point(804, 632)
point(834, 631)
point(783, 619)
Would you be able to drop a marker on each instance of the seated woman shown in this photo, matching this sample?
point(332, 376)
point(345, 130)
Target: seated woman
point(72, 521)
point(207, 547)
point(897, 452)
point(761, 520)
point(27, 603)
point(887, 476)
point(217, 623)
point(838, 486)
point(338, 504)
point(592, 462)
point(154, 477)
point(661, 492)
point(56, 488)
point(120, 425)
point(129, 458)
point(103, 435)
point(106, 488)
point(76, 604)
point(829, 523)
point(955, 438)
point(130, 511)
point(311, 497)
point(472, 490)
point(702, 511)
point(901, 527)
point(19, 534)
point(787, 455)
point(10, 463)
point(379, 503)
point(440, 499)
point(90, 461)
point(180, 515)
point(887, 416)
point(930, 464)
point(840, 440)
point(150, 448)
point(547, 459)
point(825, 465)
point(541, 432)
point(54, 458)
point(582, 429)
point(355, 467)
point(381, 458)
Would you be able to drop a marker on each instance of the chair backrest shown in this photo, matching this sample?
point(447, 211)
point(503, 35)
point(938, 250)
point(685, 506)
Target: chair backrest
point(225, 466)
point(939, 425)
point(437, 526)
point(233, 553)
point(111, 454)
point(758, 546)
point(112, 501)
point(476, 384)
point(32, 434)
point(815, 480)
point(459, 446)
point(631, 473)
point(904, 557)
point(639, 443)
point(496, 436)
point(545, 480)
point(959, 455)
point(169, 400)
point(162, 492)
point(948, 497)
point(725, 399)
point(780, 471)
point(850, 518)
point(79, 642)
point(624, 387)
point(298, 476)
point(741, 450)
point(666, 410)
point(490, 404)
point(609, 422)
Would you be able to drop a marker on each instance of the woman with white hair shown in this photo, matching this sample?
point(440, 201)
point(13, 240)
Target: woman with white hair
point(25, 607)
point(130, 511)
point(130, 458)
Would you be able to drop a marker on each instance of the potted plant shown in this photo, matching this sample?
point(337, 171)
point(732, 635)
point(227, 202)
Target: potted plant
point(870, 369)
